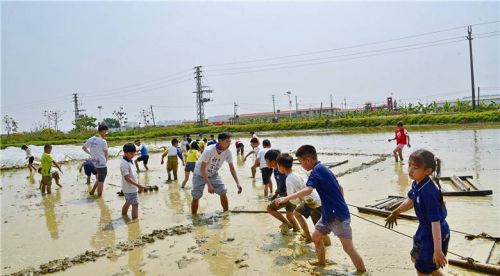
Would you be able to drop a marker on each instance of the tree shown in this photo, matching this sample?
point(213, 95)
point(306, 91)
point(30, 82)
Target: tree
point(111, 122)
point(9, 124)
point(53, 118)
point(84, 123)
point(121, 116)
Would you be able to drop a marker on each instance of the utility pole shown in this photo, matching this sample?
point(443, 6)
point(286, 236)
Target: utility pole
point(321, 109)
point(331, 104)
point(469, 37)
point(200, 100)
point(235, 112)
point(296, 106)
point(289, 102)
point(100, 109)
point(345, 104)
point(152, 115)
point(77, 106)
point(274, 106)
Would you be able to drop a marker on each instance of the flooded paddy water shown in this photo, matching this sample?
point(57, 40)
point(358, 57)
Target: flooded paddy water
point(37, 229)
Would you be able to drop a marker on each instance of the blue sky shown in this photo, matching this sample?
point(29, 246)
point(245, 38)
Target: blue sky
point(135, 54)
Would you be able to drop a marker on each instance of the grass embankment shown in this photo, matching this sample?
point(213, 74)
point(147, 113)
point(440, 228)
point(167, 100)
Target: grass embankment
point(19, 139)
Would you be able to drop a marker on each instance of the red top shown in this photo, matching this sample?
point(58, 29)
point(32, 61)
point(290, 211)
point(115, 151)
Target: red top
point(400, 135)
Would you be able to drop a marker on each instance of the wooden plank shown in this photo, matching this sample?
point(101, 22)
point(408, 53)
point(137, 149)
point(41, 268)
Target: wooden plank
point(383, 213)
point(380, 202)
point(337, 164)
point(382, 206)
point(491, 252)
point(394, 205)
point(458, 182)
point(469, 193)
point(461, 176)
point(476, 266)
point(472, 183)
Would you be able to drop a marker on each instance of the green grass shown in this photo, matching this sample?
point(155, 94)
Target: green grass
point(340, 122)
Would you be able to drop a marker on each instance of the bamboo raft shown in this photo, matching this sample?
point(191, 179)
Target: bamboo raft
point(462, 186)
point(486, 267)
point(385, 206)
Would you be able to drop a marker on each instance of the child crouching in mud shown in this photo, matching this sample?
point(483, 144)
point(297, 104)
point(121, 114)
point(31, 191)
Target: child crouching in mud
point(430, 243)
point(335, 216)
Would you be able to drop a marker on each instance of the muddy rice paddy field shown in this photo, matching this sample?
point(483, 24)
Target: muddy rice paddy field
point(71, 233)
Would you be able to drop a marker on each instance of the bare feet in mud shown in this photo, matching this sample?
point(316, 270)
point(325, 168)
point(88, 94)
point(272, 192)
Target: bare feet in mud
point(305, 239)
point(317, 263)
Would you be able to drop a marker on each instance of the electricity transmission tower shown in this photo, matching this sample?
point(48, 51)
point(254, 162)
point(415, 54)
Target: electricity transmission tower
point(200, 98)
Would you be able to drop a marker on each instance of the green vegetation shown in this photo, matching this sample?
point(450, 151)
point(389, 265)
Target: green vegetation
point(350, 120)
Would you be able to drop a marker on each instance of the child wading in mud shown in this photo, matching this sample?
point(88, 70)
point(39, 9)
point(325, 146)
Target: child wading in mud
point(430, 242)
point(308, 206)
point(46, 170)
point(130, 183)
point(402, 139)
point(335, 216)
point(273, 208)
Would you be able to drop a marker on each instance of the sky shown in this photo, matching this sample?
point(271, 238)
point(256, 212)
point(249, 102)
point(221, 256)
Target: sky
point(136, 55)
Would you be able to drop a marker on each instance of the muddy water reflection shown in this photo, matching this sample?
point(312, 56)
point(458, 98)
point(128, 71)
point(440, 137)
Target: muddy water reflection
point(49, 202)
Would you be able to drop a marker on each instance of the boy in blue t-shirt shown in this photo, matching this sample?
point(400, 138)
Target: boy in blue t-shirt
point(144, 158)
point(88, 168)
point(335, 215)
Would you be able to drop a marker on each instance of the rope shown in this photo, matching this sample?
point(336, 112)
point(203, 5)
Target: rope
point(467, 235)
point(468, 259)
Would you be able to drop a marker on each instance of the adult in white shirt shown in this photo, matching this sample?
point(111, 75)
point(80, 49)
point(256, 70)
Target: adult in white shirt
point(97, 147)
point(206, 172)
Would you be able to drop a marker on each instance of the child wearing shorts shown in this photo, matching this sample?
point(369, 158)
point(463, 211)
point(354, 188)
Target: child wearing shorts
point(264, 169)
point(335, 216)
point(172, 154)
point(46, 170)
point(254, 142)
point(402, 139)
point(191, 157)
point(130, 183)
point(430, 242)
point(144, 158)
point(30, 158)
point(88, 168)
point(308, 206)
point(289, 222)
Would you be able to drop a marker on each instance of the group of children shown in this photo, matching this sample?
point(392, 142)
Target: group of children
point(321, 197)
point(317, 195)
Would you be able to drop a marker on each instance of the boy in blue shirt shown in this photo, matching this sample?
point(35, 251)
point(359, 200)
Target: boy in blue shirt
point(335, 215)
point(144, 158)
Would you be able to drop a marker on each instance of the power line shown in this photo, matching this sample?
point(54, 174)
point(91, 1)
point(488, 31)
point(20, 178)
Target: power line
point(337, 60)
point(144, 83)
point(337, 56)
point(352, 46)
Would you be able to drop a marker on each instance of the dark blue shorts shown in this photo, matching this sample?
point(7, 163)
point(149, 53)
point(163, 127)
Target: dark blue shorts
point(423, 251)
point(143, 158)
point(89, 170)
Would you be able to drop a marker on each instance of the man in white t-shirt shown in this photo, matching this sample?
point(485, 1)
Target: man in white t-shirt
point(206, 172)
point(308, 206)
point(97, 147)
point(264, 169)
